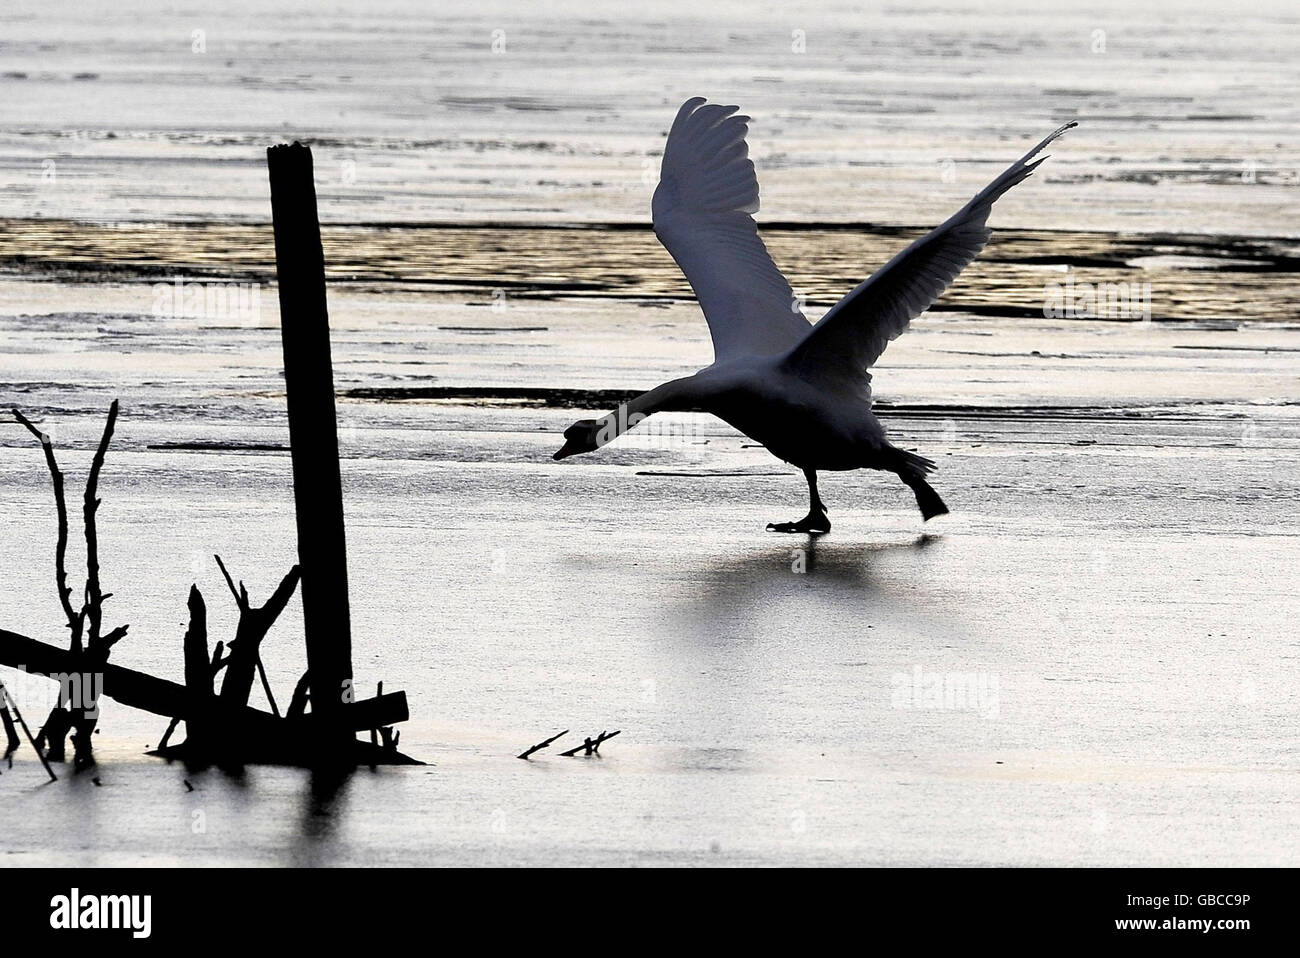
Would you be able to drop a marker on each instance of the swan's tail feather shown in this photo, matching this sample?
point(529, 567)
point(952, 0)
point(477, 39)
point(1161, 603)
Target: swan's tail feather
point(911, 462)
point(928, 500)
point(912, 469)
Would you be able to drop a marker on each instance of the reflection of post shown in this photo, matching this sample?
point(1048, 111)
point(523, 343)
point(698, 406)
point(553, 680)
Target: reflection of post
point(313, 437)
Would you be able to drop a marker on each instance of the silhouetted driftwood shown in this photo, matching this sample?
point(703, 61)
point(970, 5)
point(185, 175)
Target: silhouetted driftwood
point(541, 745)
point(590, 746)
point(90, 506)
point(170, 699)
point(89, 647)
point(52, 735)
point(198, 674)
point(245, 657)
point(217, 664)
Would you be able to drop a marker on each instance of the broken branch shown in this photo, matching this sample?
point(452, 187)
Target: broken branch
point(61, 545)
point(94, 597)
point(541, 745)
point(591, 745)
point(244, 659)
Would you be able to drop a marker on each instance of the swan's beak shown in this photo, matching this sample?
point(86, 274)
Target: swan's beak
point(580, 437)
point(570, 448)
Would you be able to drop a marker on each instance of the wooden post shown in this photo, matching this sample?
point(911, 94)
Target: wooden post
point(313, 437)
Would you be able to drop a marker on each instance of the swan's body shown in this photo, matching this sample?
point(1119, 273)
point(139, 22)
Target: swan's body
point(801, 390)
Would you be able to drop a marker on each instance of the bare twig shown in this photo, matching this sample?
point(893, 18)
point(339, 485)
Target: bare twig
point(241, 601)
point(591, 745)
point(541, 745)
point(61, 546)
point(254, 622)
point(266, 687)
point(94, 597)
point(84, 625)
point(112, 638)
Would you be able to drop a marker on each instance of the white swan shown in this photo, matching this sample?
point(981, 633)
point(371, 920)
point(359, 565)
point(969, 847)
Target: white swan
point(801, 390)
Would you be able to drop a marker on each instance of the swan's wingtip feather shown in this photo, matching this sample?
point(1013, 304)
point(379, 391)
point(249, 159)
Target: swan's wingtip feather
point(1060, 130)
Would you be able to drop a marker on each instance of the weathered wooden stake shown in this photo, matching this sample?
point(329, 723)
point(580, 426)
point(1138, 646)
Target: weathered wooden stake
point(313, 437)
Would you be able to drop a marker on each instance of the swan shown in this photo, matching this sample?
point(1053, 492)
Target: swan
point(801, 390)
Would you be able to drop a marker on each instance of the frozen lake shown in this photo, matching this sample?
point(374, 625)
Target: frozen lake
point(1092, 660)
point(1113, 589)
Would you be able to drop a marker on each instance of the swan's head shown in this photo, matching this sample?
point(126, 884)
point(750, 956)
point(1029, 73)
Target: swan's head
point(580, 437)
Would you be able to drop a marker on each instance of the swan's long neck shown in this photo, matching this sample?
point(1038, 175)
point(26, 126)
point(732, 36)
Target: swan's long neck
point(676, 395)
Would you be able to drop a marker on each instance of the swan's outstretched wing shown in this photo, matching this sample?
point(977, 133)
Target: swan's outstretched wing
point(851, 337)
point(707, 191)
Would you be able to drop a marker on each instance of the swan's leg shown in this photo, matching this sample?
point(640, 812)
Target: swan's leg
point(816, 520)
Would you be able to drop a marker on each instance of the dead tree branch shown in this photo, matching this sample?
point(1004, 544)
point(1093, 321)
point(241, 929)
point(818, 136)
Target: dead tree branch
point(590, 745)
point(61, 545)
point(245, 648)
point(94, 596)
point(84, 625)
point(541, 745)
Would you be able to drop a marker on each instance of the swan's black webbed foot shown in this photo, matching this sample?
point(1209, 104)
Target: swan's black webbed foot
point(815, 523)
